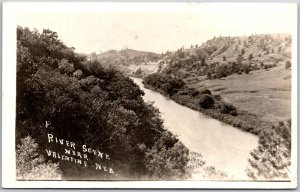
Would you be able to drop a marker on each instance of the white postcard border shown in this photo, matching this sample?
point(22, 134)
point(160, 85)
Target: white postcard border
point(9, 103)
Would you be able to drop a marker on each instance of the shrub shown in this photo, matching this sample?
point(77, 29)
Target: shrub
point(183, 93)
point(206, 91)
point(227, 108)
point(209, 76)
point(218, 97)
point(233, 113)
point(195, 93)
point(250, 57)
point(31, 165)
point(247, 70)
point(287, 64)
point(206, 101)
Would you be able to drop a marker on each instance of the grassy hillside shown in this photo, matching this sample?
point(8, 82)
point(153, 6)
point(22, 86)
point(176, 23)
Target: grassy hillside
point(223, 56)
point(265, 93)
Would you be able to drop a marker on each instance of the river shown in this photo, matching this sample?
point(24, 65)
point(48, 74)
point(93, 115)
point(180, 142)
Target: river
point(222, 146)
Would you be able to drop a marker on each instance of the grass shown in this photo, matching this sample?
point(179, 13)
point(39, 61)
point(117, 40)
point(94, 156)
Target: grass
point(266, 94)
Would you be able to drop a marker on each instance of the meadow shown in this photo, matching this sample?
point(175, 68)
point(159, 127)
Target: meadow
point(265, 93)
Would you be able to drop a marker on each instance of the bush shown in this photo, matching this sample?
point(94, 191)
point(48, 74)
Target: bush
point(233, 113)
point(228, 109)
point(288, 64)
point(247, 70)
point(195, 93)
point(209, 76)
point(206, 91)
point(218, 97)
point(31, 165)
point(206, 101)
point(183, 93)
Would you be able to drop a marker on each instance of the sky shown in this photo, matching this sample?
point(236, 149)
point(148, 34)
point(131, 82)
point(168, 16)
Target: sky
point(154, 27)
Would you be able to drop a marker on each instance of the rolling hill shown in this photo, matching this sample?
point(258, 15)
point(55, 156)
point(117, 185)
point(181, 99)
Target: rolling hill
point(253, 52)
point(128, 60)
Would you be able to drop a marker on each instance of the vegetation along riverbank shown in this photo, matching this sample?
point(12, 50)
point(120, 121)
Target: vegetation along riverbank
point(270, 160)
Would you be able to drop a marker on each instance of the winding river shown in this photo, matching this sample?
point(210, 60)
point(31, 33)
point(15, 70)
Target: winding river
point(222, 146)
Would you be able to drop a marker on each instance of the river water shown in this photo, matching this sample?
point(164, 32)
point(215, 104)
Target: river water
point(222, 146)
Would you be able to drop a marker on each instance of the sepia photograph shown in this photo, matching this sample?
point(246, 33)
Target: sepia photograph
point(150, 92)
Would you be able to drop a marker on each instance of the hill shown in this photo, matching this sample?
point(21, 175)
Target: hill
point(251, 72)
point(244, 54)
point(124, 57)
point(128, 60)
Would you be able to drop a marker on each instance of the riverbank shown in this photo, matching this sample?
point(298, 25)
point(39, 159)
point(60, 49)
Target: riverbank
point(221, 145)
point(244, 120)
point(267, 160)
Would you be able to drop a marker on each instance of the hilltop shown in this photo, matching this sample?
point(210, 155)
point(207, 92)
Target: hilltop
point(126, 57)
point(128, 60)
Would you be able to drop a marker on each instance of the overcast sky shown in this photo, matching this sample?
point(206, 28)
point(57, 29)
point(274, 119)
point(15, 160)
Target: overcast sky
point(154, 27)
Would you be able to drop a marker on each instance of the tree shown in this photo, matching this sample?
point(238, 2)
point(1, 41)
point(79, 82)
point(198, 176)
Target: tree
point(209, 76)
point(242, 52)
point(167, 88)
point(180, 53)
point(138, 72)
point(94, 104)
point(193, 92)
point(247, 70)
point(288, 64)
point(271, 159)
point(228, 109)
point(206, 101)
point(203, 62)
point(206, 91)
point(224, 58)
point(31, 165)
point(250, 57)
point(173, 152)
point(239, 59)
